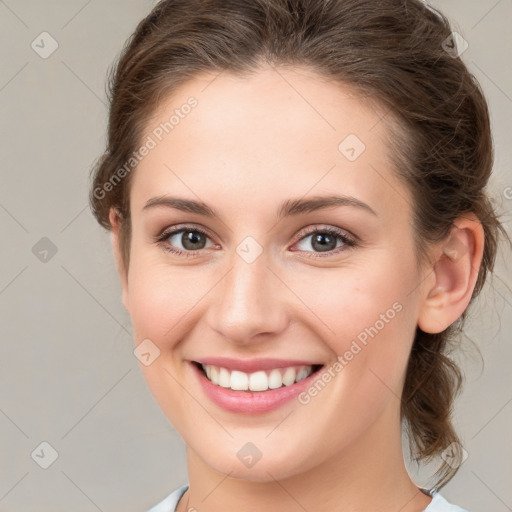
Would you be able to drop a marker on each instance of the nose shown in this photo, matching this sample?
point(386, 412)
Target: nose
point(249, 304)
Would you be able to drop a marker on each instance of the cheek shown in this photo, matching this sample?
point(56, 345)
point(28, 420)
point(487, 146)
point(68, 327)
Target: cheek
point(161, 299)
point(163, 309)
point(348, 301)
point(366, 315)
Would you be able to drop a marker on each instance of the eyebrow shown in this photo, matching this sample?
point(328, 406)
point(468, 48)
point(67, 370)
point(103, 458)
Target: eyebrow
point(288, 208)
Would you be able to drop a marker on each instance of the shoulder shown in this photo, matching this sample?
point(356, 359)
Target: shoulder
point(439, 504)
point(169, 503)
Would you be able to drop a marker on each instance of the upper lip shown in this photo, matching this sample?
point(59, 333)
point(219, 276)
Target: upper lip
point(252, 365)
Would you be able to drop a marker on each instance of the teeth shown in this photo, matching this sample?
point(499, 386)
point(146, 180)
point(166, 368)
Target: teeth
point(257, 381)
point(302, 374)
point(289, 376)
point(239, 381)
point(274, 379)
point(224, 378)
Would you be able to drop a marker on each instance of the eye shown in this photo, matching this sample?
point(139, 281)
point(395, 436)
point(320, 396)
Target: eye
point(191, 239)
point(326, 240)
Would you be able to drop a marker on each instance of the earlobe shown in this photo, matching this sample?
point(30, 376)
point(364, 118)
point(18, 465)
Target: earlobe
point(457, 262)
point(115, 223)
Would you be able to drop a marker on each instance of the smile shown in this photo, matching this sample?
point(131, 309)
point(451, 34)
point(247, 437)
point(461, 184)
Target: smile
point(253, 387)
point(257, 381)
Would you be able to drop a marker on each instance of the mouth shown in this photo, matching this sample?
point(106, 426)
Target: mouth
point(257, 381)
point(253, 386)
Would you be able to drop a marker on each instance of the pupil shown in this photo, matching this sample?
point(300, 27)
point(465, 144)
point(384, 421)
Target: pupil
point(325, 242)
point(190, 239)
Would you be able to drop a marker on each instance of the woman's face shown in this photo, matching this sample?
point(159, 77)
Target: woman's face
point(267, 288)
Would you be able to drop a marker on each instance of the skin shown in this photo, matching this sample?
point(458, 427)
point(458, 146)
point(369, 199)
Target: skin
point(251, 143)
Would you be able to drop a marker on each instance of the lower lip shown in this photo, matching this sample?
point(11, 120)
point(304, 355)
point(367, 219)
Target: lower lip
point(251, 402)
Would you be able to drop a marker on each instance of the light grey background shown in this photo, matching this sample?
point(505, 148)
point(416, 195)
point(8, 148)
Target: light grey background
point(67, 372)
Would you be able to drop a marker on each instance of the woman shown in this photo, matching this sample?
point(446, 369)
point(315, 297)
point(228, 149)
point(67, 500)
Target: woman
point(296, 193)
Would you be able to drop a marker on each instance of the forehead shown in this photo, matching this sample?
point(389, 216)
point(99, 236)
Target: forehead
point(276, 132)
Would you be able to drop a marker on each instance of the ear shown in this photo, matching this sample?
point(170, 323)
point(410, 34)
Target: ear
point(115, 223)
point(457, 262)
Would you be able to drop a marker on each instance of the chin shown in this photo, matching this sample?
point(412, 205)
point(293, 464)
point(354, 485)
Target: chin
point(275, 465)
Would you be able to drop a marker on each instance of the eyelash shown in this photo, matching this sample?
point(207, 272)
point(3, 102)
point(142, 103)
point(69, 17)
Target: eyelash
point(348, 242)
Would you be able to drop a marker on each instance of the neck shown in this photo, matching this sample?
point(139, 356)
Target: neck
point(368, 475)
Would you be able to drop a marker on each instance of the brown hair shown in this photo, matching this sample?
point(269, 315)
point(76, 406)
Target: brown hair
point(392, 52)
